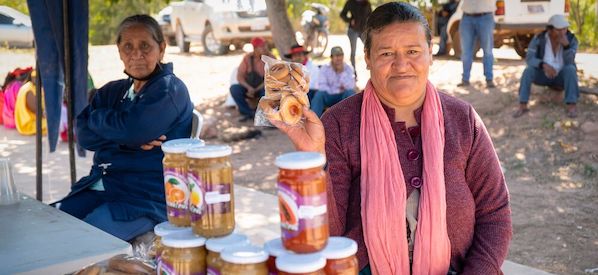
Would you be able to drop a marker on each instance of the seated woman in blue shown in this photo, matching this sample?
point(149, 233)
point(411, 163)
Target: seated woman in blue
point(125, 124)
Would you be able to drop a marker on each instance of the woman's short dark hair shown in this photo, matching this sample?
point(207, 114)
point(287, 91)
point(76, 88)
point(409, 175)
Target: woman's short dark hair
point(141, 20)
point(393, 12)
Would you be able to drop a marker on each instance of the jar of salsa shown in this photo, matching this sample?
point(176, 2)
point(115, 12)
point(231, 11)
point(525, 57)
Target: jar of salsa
point(301, 264)
point(216, 245)
point(302, 201)
point(245, 260)
point(275, 249)
point(340, 256)
point(184, 253)
point(161, 230)
point(210, 176)
point(175, 179)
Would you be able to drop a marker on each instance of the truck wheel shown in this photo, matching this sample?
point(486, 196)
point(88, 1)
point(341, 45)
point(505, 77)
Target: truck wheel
point(180, 40)
point(457, 42)
point(521, 43)
point(211, 45)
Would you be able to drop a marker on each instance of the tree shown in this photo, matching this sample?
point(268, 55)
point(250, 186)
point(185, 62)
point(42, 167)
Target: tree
point(282, 30)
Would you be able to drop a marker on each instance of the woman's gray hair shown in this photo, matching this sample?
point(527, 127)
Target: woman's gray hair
point(393, 12)
point(144, 20)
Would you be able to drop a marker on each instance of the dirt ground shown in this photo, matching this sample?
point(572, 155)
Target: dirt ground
point(550, 163)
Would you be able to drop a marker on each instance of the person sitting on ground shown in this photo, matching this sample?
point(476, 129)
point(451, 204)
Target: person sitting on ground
point(551, 62)
point(445, 13)
point(298, 54)
point(250, 76)
point(336, 82)
point(125, 124)
point(413, 177)
point(26, 108)
point(12, 84)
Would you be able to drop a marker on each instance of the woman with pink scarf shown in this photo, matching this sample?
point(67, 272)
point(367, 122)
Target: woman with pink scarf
point(413, 176)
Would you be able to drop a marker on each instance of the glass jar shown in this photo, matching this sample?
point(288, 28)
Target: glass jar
point(216, 245)
point(210, 176)
point(244, 260)
point(340, 256)
point(275, 249)
point(161, 230)
point(302, 201)
point(301, 264)
point(175, 179)
point(184, 253)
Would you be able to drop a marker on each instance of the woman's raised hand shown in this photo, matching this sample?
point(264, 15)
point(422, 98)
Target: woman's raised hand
point(308, 136)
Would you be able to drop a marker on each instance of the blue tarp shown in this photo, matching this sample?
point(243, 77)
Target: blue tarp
point(48, 29)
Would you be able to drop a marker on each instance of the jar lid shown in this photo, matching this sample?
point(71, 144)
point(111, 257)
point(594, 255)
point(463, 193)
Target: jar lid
point(184, 239)
point(217, 244)
point(244, 254)
point(209, 151)
point(339, 248)
point(177, 146)
point(275, 248)
point(300, 263)
point(300, 160)
point(166, 228)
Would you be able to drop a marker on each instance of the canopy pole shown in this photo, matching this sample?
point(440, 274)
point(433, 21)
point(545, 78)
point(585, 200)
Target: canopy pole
point(39, 195)
point(68, 89)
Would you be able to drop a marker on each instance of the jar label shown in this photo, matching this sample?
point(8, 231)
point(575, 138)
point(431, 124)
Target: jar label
point(213, 198)
point(166, 269)
point(177, 191)
point(298, 213)
point(213, 271)
point(196, 203)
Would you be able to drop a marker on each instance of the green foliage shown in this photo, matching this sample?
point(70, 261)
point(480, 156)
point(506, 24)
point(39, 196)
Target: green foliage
point(583, 19)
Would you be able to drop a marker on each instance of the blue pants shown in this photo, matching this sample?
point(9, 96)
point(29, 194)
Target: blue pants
point(353, 35)
point(91, 207)
point(567, 78)
point(322, 100)
point(239, 94)
point(482, 29)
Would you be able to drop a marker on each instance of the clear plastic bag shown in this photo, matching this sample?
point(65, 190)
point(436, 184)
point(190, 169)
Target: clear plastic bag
point(286, 86)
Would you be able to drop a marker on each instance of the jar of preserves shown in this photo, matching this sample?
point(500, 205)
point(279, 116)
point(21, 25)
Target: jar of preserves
point(216, 245)
point(302, 201)
point(175, 179)
point(184, 253)
point(275, 249)
point(301, 264)
point(161, 230)
point(340, 256)
point(244, 260)
point(210, 176)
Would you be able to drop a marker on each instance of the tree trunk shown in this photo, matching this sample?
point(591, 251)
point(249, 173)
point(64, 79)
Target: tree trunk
point(282, 30)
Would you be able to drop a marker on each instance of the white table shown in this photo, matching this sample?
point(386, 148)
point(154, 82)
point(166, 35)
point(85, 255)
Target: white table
point(38, 239)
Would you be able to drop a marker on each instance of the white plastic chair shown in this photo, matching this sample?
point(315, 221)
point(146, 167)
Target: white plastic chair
point(196, 124)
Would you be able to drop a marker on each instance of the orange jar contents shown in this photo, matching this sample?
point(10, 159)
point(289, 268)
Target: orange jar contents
point(215, 247)
point(301, 264)
point(184, 253)
point(340, 256)
point(210, 176)
point(302, 201)
point(275, 249)
point(161, 230)
point(175, 179)
point(244, 260)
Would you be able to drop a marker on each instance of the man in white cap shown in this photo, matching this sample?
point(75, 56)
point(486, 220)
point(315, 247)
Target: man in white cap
point(551, 62)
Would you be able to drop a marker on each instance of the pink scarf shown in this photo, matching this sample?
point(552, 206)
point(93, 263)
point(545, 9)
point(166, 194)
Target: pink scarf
point(384, 196)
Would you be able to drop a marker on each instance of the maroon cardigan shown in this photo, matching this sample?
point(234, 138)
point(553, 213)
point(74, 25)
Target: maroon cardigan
point(478, 212)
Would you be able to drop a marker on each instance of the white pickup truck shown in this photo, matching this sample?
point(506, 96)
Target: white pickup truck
point(219, 23)
point(517, 21)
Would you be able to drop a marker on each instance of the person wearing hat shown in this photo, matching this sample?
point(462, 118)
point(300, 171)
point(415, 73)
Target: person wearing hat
point(336, 82)
point(298, 54)
point(551, 62)
point(250, 76)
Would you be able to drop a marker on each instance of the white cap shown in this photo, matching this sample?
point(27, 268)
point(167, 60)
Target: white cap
point(275, 248)
point(177, 146)
point(166, 228)
point(244, 254)
point(558, 21)
point(218, 244)
point(339, 248)
point(300, 263)
point(185, 239)
point(300, 160)
point(209, 151)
